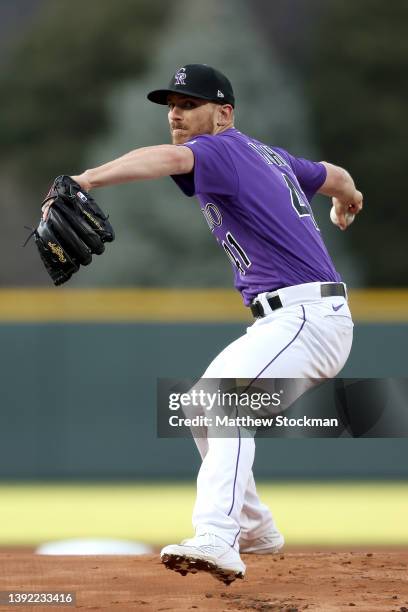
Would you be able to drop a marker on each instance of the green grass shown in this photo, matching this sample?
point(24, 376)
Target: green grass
point(349, 514)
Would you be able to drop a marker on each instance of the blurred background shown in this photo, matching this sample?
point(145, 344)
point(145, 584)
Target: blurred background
point(78, 444)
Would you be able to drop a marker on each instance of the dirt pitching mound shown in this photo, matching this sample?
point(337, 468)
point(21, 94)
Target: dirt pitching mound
point(291, 582)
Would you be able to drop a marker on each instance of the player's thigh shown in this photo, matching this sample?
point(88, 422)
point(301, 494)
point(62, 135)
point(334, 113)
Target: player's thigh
point(296, 342)
point(267, 342)
point(217, 366)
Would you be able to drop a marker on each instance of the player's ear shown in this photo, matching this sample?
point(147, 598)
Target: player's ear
point(225, 114)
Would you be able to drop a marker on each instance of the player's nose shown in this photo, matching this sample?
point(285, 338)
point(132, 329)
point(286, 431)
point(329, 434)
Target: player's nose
point(175, 113)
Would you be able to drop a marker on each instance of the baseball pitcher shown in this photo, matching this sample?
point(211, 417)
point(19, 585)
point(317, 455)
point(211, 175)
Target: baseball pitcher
point(256, 199)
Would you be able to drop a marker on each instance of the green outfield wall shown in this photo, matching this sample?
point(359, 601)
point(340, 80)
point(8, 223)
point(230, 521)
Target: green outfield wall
point(78, 401)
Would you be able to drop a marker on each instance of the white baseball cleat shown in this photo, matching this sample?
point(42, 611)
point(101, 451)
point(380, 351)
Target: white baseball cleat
point(268, 544)
point(205, 553)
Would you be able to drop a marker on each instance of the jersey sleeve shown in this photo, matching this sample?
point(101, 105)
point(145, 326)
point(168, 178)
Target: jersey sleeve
point(214, 171)
point(310, 175)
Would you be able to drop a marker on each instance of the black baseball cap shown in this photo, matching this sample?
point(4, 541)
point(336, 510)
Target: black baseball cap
point(199, 81)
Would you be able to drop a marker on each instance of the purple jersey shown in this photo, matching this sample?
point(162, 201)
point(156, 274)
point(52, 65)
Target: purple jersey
point(256, 201)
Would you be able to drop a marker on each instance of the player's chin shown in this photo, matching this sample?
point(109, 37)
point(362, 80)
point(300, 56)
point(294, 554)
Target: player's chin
point(179, 136)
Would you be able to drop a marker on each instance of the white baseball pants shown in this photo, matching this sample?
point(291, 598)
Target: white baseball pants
point(309, 340)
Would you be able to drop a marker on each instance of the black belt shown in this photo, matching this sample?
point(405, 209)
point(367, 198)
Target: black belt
point(274, 301)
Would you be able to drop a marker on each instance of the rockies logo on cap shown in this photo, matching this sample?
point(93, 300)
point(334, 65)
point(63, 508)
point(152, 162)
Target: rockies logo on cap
point(180, 77)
